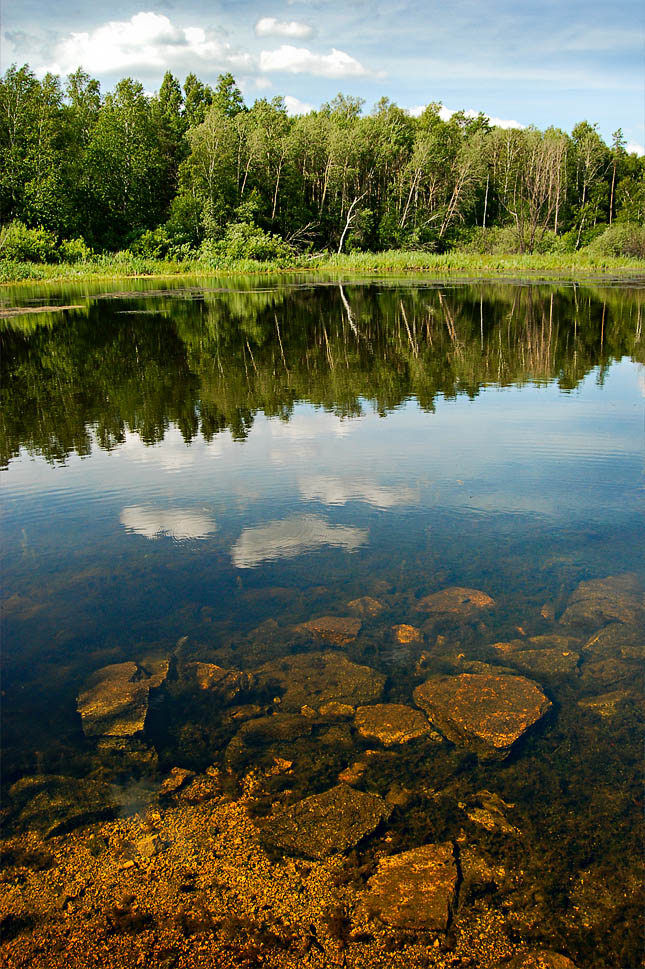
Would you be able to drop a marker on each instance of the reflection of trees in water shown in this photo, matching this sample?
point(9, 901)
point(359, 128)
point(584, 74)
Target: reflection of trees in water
point(211, 363)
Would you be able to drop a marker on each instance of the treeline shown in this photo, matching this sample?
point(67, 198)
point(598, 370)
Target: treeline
point(194, 169)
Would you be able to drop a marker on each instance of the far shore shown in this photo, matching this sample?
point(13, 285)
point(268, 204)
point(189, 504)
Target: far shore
point(571, 266)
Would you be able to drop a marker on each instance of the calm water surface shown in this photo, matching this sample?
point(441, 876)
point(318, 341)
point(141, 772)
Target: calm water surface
point(190, 473)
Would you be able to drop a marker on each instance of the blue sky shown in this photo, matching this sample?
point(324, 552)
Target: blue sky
point(543, 63)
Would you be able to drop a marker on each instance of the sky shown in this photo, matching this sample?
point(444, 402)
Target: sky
point(521, 62)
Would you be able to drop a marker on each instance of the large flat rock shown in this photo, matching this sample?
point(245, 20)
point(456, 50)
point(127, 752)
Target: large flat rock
point(484, 712)
point(414, 890)
point(549, 655)
point(315, 679)
point(456, 602)
point(600, 601)
point(325, 824)
point(114, 699)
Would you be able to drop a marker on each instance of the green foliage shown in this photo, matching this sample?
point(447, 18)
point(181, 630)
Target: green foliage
point(21, 244)
point(165, 173)
point(620, 239)
point(243, 240)
point(74, 250)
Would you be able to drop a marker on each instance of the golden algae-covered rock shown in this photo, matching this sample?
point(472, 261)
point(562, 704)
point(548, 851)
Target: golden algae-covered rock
point(327, 823)
point(391, 723)
point(456, 602)
point(415, 889)
point(485, 712)
point(319, 678)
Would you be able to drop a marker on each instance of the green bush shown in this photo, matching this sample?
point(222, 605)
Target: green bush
point(154, 243)
point(20, 244)
point(625, 239)
point(243, 240)
point(75, 250)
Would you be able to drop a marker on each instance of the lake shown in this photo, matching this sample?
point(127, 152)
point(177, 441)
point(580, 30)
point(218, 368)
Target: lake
point(322, 623)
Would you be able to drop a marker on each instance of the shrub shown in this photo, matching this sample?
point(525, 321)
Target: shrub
point(625, 239)
point(75, 250)
point(20, 244)
point(243, 240)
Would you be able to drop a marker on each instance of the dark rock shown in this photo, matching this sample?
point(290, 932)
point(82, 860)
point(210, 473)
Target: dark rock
point(314, 679)
point(338, 630)
point(617, 597)
point(366, 606)
point(484, 712)
point(549, 655)
point(456, 602)
point(618, 640)
point(53, 804)
point(414, 890)
point(222, 683)
point(324, 824)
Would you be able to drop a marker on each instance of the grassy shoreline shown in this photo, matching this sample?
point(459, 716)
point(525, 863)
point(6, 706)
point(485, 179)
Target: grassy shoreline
point(548, 266)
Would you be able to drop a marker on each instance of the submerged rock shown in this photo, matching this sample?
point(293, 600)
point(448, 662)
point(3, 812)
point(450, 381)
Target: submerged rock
point(542, 654)
point(114, 699)
point(456, 602)
point(54, 804)
point(324, 824)
point(391, 723)
point(489, 811)
point(616, 597)
point(366, 606)
point(414, 890)
point(541, 959)
point(407, 634)
point(606, 704)
point(223, 683)
point(338, 630)
point(484, 712)
point(315, 679)
point(619, 640)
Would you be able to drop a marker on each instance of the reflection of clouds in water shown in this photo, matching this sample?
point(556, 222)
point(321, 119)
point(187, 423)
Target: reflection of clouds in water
point(312, 426)
point(332, 490)
point(641, 380)
point(290, 537)
point(179, 523)
point(171, 454)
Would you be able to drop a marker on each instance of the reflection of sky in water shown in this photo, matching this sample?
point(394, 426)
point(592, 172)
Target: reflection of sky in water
point(291, 537)
point(176, 523)
point(298, 485)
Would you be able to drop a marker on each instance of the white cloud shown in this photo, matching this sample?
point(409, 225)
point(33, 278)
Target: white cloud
point(271, 27)
point(178, 523)
point(633, 149)
point(332, 490)
point(289, 537)
point(300, 60)
point(147, 40)
point(296, 106)
point(446, 114)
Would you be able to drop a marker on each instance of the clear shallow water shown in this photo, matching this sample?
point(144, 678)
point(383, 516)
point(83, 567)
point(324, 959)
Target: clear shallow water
point(195, 463)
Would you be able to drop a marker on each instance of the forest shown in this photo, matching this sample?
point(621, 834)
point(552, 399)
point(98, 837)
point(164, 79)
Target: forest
point(193, 171)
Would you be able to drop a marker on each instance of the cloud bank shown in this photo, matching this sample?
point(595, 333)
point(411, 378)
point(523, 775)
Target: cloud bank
point(147, 40)
point(271, 27)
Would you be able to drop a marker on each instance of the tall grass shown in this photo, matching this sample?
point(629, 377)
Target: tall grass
point(127, 264)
